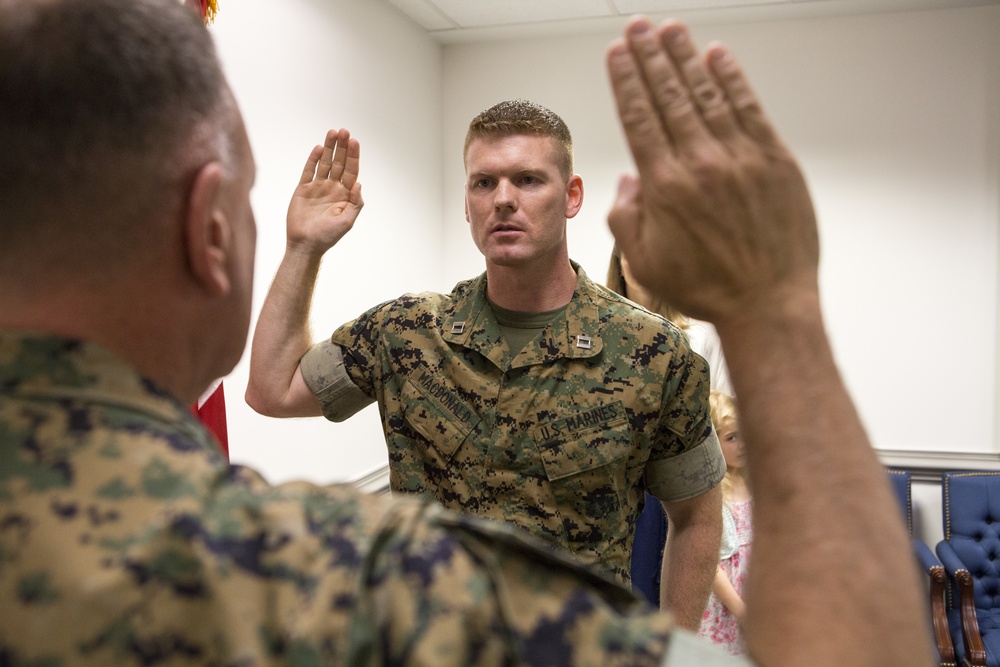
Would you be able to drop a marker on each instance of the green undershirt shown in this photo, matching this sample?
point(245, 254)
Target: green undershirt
point(518, 328)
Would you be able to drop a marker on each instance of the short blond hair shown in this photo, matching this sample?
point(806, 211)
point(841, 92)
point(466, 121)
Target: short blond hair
point(513, 117)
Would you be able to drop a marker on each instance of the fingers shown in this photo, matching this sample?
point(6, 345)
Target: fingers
point(742, 101)
point(326, 159)
point(352, 163)
point(641, 121)
point(309, 170)
point(338, 159)
point(339, 150)
point(673, 99)
point(318, 163)
point(668, 89)
point(712, 105)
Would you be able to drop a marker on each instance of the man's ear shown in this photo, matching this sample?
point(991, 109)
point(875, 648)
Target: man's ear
point(466, 200)
point(208, 235)
point(574, 195)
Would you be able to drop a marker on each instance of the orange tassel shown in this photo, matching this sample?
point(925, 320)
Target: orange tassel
point(209, 8)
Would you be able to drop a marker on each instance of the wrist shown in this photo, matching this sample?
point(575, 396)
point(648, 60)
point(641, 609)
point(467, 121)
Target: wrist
point(777, 314)
point(304, 251)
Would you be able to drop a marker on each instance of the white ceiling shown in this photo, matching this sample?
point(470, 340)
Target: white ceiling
point(453, 21)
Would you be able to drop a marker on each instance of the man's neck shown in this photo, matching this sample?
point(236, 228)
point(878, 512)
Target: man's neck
point(130, 331)
point(529, 289)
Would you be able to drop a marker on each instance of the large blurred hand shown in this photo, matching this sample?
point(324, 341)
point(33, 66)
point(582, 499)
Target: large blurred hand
point(719, 221)
point(327, 200)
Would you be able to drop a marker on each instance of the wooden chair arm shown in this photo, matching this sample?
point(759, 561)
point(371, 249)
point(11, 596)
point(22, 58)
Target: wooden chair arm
point(974, 650)
point(939, 616)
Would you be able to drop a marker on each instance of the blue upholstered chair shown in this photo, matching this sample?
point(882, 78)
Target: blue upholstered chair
point(970, 553)
point(902, 486)
point(647, 550)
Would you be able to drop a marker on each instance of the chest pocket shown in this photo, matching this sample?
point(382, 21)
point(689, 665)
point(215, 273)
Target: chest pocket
point(585, 456)
point(583, 441)
point(436, 412)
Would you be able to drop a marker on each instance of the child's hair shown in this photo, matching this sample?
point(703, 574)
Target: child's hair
point(722, 408)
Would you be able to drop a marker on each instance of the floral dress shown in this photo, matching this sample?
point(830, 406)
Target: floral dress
point(717, 623)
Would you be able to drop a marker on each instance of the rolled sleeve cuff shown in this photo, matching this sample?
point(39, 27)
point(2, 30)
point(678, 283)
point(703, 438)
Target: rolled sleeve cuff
point(689, 474)
point(326, 376)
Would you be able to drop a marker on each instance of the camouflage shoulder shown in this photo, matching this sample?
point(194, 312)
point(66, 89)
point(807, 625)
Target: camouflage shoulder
point(616, 306)
point(503, 537)
point(561, 611)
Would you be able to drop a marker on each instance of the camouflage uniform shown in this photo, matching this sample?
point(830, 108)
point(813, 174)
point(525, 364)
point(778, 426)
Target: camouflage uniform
point(560, 438)
point(125, 539)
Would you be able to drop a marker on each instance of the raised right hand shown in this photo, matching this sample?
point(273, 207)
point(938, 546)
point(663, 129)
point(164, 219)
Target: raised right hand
point(327, 200)
point(719, 221)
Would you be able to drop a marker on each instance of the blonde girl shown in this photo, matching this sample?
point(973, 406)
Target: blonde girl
point(724, 613)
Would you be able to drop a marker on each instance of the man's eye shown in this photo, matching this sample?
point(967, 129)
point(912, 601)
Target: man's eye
point(529, 180)
point(483, 183)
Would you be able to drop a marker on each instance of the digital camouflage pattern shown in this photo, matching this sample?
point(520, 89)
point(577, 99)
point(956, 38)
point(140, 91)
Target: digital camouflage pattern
point(561, 438)
point(125, 539)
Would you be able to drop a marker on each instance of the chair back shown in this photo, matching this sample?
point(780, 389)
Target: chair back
point(901, 485)
point(971, 512)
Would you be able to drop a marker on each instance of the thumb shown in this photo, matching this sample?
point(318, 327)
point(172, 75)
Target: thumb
point(624, 219)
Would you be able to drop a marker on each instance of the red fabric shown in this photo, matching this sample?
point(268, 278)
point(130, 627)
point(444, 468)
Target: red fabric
point(196, 5)
point(211, 409)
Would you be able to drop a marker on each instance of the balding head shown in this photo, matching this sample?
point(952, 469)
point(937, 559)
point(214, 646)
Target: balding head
point(106, 106)
point(125, 174)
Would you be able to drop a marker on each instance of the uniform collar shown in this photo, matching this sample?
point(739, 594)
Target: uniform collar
point(470, 323)
point(44, 366)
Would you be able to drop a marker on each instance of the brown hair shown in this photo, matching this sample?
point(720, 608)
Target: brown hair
point(522, 117)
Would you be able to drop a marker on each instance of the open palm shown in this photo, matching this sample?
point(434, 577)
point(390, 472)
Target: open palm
point(328, 199)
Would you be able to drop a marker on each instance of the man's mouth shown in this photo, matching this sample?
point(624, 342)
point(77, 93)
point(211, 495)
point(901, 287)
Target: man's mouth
point(506, 228)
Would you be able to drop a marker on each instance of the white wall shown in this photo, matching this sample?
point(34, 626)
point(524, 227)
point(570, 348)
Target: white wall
point(298, 68)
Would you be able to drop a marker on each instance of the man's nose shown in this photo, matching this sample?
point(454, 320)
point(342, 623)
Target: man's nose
point(505, 196)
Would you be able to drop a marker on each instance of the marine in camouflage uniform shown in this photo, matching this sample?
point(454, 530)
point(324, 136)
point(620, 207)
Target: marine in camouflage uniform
point(561, 437)
point(125, 539)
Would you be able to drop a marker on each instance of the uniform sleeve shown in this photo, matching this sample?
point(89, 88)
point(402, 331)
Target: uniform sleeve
point(686, 458)
point(324, 373)
point(433, 587)
point(341, 371)
point(554, 610)
point(307, 574)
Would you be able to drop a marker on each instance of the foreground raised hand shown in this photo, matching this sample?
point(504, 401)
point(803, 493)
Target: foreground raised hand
point(720, 224)
point(720, 203)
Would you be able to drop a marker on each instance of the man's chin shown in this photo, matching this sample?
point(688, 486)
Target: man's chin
point(507, 260)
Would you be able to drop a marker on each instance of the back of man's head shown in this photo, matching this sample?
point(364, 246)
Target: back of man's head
point(513, 117)
point(106, 107)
